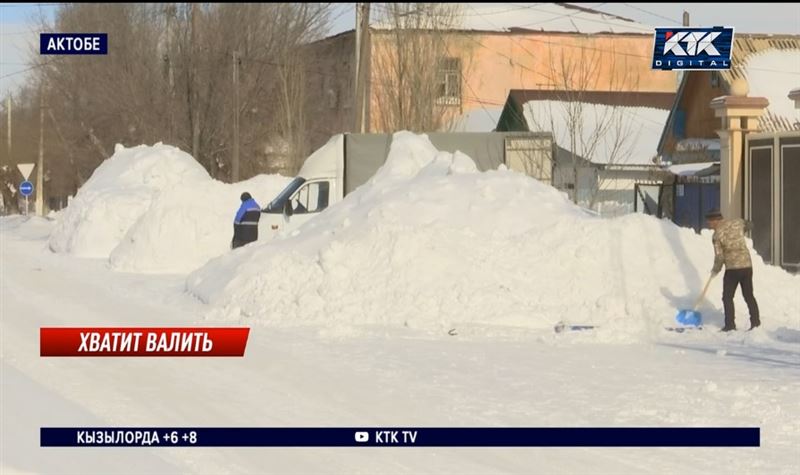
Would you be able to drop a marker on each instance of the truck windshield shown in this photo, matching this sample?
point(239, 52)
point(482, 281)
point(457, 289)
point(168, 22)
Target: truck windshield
point(277, 203)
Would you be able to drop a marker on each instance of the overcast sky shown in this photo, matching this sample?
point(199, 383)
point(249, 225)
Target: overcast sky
point(16, 22)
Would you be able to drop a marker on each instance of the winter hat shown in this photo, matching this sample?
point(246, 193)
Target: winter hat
point(246, 196)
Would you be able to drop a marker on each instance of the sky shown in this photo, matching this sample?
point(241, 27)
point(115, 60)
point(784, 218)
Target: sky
point(17, 36)
point(746, 17)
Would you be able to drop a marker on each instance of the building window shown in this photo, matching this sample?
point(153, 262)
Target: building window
point(449, 86)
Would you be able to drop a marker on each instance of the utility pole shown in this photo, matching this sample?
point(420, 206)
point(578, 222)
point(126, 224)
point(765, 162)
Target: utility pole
point(195, 97)
point(362, 67)
point(357, 62)
point(169, 11)
point(235, 161)
point(8, 110)
point(682, 72)
point(366, 68)
point(40, 165)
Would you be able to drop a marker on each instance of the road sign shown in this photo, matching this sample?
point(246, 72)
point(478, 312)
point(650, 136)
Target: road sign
point(26, 188)
point(25, 169)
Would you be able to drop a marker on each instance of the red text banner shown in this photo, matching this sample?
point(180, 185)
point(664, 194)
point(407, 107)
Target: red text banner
point(147, 341)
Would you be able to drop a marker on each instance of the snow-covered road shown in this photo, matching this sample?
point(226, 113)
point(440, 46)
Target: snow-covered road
point(310, 376)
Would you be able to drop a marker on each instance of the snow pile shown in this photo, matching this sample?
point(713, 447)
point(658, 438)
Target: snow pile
point(431, 243)
point(155, 209)
point(188, 225)
point(119, 191)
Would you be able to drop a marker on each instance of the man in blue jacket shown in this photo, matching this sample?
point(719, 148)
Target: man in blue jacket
point(245, 224)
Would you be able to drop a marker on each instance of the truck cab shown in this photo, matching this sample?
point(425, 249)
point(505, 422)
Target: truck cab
point(317, 187)
point(299, 202)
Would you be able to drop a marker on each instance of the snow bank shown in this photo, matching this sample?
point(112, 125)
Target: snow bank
point(187, 225)
point(431, 243)
point(119, 191)
point(155, 209)
point(30, 228)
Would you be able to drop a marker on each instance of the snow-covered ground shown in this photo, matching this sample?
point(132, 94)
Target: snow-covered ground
point(383, 376)
point(427, 246)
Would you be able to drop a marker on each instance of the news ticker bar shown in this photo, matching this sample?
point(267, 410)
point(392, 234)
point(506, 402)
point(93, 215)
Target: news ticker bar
point(400, 437)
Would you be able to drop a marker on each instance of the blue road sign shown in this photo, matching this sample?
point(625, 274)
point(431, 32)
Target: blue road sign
point(26, 188)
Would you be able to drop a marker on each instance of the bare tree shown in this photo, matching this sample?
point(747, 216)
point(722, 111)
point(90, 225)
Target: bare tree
point(25, 147)
point(417, 79)
point(295, 68)
point(167, 78)
point(95, 102)
point(588, 130)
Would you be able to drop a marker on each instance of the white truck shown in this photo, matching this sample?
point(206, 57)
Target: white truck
point(347, 161)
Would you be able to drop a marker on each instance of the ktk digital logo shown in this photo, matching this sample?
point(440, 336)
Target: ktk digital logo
point(693, 48)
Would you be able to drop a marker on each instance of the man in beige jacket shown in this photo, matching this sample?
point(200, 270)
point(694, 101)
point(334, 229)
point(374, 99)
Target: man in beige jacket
point(730, 249)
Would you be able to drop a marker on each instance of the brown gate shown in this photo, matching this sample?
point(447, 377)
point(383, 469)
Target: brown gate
point(772, 196)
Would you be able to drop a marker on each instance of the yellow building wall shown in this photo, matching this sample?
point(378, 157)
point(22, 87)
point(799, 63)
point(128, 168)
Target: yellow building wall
point(495, 63)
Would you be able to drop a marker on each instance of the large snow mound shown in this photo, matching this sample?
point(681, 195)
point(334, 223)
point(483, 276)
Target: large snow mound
point(431, 243)
point(155, 209)
point(188, 225)
point(119, 191)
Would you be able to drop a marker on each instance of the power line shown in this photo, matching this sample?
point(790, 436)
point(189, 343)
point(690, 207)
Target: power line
point(16, 33)
point(560, 44)
point(480, 101)
point(634, 25)
point(510, 58)
point(342, 13)
point(566, 15)
point(632, 112)
point(486, 14)
point(653, 14)
point(23, 70)
point(461, 14)
point(568, 45)
point(28, 5)
point(607, 51)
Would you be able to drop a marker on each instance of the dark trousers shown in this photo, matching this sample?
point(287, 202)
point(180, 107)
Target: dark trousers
point(244, 234)
point(732, 279)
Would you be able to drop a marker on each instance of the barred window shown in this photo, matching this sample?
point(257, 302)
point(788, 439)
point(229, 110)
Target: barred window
point(449, 86)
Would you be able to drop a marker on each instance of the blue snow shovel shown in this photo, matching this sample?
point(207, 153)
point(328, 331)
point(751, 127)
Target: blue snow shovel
point(693, 318)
